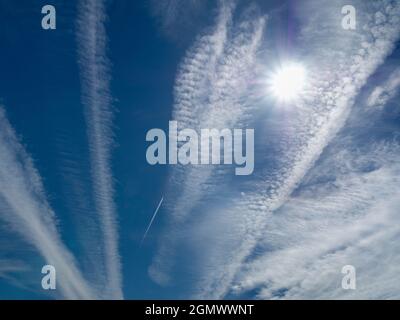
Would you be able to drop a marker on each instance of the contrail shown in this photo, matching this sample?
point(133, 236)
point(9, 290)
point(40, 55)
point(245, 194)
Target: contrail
point(24, 207)
point(151, 221)
point(96, 96)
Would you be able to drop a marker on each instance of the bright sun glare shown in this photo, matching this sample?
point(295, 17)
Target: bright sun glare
point(288, 82)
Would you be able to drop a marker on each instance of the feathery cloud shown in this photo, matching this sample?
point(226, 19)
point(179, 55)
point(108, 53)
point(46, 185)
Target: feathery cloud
point(298, 141)
point(313, 125)
point(382, 94)
point(211, 91)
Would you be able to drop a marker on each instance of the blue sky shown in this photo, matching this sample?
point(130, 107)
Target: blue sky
point(77, 192)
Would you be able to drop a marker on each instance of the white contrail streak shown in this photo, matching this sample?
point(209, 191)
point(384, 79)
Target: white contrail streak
point(24, 207)
point(151, 221)
point(94, 64)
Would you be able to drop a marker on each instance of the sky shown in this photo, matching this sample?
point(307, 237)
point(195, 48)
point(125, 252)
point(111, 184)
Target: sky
point(78, 193)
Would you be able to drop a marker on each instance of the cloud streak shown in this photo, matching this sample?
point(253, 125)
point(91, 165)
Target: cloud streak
point(211, 91)
point(24, 208)
point(345, 213)
point(315, 122)
point(95, 74)
point(382, 94)
point(291, 145)
point(177, 15)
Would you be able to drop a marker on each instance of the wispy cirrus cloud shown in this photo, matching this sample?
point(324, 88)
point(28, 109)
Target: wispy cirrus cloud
point(23, 206)
point(336, 78)
point(95, 74)
point(382, 94)
point(344, 213)
point(176, 16)
point(211, 91)
point(339, 63)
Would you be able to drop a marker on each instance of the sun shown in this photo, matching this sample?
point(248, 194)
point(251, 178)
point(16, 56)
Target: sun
point(287, 83)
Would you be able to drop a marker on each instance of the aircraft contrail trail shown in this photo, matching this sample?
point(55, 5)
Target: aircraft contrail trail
point(97, 99)
point(151, 221)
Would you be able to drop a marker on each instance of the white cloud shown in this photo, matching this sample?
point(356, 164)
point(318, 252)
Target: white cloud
point(211, 92)
point(176, 16)
point(25, 209)
point(348, 219)
point(8, 267)
point(339, 63)
point(95, 73)
point(382, 94)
